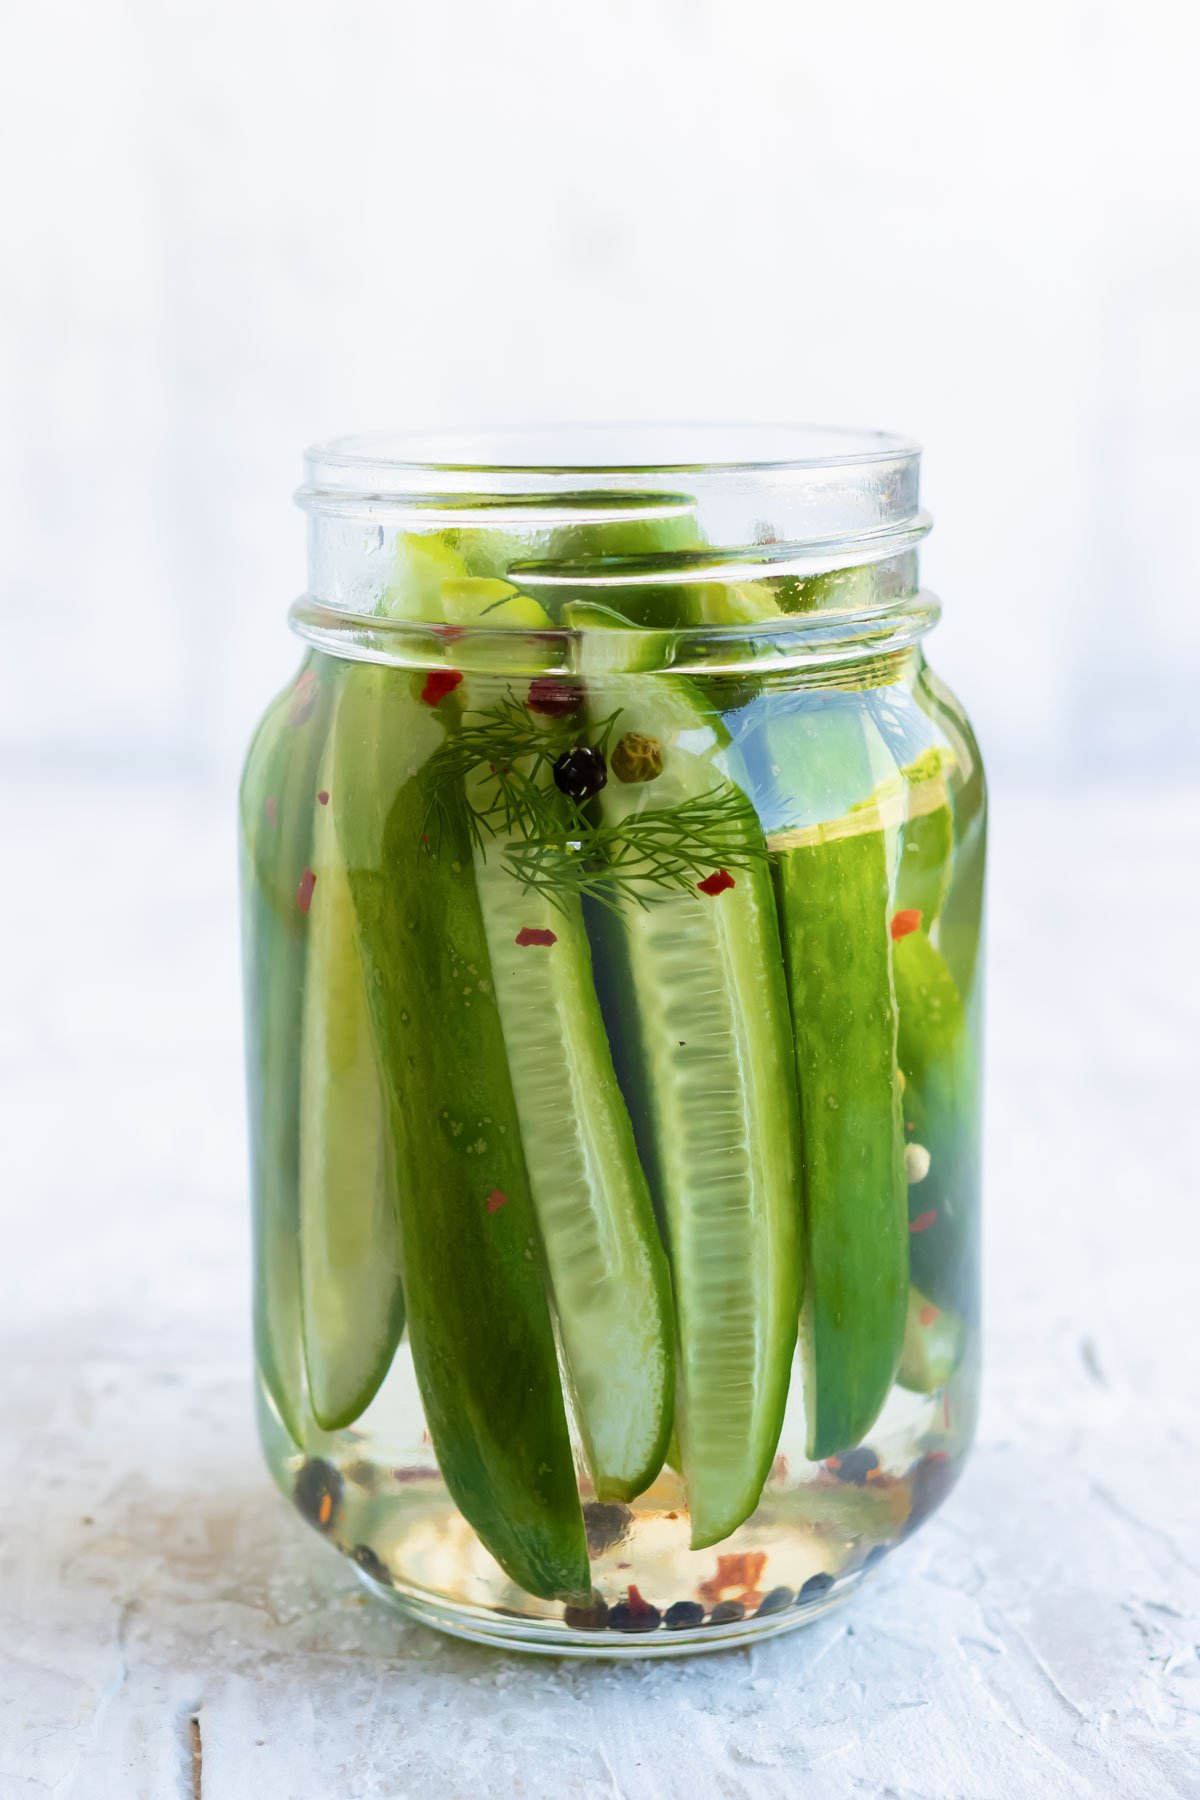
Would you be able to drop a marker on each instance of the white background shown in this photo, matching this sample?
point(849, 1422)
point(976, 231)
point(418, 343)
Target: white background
point(236, 226)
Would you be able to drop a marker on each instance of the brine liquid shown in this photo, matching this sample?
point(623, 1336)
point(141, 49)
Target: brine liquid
point(374, 1492)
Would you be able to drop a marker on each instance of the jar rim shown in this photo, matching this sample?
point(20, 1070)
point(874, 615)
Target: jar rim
point(770, 503)
point(793, 642)
point(713, 448)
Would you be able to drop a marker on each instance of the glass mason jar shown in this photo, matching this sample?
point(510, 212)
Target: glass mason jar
point(613, 889)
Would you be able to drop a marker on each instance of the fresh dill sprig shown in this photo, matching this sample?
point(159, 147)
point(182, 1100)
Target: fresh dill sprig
point(642, 858)
point(502, 759)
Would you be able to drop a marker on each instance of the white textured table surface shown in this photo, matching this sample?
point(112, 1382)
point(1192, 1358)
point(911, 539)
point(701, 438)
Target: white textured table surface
point(1041, 1636)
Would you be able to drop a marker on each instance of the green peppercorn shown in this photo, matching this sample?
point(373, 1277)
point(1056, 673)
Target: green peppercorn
point(636, 757)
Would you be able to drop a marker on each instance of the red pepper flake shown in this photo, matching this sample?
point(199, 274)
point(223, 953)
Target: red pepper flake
point(450, 632)
point(922, 1222)
point(439, 683)
point(304, 892)
point(323, 796)
point(530, 934)
point(713, 885)
point(738, 1573)
point(833, 1462)
point(272, 810)
point(325, 1510)
point(496, 1199)
point(907, 921)
point(639, 1608)
point(927, 1315)
point(552, 698)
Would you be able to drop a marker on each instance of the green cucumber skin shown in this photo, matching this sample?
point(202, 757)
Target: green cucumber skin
point(941, 1105)
point(352, 1301)
point(281, 768)
point(478, 1317)
point(835, 905)
point(608, 1270)
point(732, 1233)
point(834, 902)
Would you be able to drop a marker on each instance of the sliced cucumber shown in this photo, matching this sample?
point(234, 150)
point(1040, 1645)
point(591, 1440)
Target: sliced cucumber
point(276, 816)
point(835, 910)
point(478, 1317)
point(353, 1304)
point(701, 1007)
point(608, 1272)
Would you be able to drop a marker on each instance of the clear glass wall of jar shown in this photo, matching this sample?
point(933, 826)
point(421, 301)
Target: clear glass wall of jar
point(613, 876)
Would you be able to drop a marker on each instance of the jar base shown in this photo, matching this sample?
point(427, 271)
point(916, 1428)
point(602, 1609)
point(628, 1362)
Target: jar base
point(475, 1625)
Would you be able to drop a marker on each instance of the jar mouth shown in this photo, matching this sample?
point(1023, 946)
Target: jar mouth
point(647, 520)
point(668, 448)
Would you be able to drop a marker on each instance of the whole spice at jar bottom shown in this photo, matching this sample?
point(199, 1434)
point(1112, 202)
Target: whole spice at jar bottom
point(777, 1600)
point(854, 1466)
point(591, 1617)
point(318, 1493)
point(606, 1522)
point(682, 1614)
point(372, 1565)
point(634, 1614)
point(727, 1612)
point(814, 1587)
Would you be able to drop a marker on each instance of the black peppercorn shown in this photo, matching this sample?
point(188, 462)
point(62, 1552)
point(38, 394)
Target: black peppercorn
point(854, 1466)
point(372, 1565)
point(581, 772)
point(634, 1614)
point(814, 1587)
point(682, 1614)
point(318, 1493)
point(726, 1612)
point(606, 1522)
point(591, 1617)
point(775, 1601)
